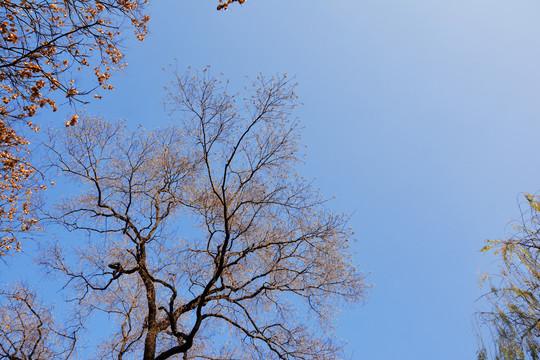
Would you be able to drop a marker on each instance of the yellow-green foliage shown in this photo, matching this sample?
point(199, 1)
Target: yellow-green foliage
point(510, 328)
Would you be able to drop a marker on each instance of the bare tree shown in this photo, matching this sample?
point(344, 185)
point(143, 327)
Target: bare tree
point(28, 330)
point(261, 266)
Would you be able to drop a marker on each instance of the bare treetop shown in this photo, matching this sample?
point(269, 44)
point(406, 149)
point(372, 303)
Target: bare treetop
point(260, 265)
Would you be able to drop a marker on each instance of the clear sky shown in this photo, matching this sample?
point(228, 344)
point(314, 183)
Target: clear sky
point(421, 117)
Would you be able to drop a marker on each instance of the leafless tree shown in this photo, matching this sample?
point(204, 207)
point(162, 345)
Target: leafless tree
point(28, 330)
point(261, 266)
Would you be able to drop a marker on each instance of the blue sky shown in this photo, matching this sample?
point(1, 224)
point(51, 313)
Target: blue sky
point(421, 117)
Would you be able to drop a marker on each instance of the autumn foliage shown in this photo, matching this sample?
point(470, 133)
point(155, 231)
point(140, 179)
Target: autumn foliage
point(15, 189)
point(224, 4)
point(43, 45)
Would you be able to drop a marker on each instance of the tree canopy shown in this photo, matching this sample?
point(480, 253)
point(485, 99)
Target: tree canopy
point(44, 46)
point(509, 316)
point(197, 230)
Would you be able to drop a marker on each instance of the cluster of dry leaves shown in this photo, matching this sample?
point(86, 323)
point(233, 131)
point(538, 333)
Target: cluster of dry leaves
point(43, 44)
point(224, 4)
